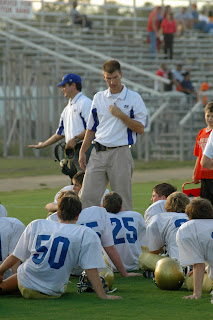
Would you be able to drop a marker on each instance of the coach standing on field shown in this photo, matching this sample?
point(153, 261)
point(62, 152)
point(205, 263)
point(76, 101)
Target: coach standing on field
point(116, 117)
point(72, 124)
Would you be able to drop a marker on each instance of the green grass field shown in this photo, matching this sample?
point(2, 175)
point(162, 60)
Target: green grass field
point(141, 298)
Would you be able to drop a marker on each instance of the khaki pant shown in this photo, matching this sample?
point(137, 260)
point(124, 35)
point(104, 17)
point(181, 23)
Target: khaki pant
point(113, 166)
point(32, 294)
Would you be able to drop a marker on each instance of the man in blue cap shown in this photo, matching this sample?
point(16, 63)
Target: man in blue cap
point(73, 120)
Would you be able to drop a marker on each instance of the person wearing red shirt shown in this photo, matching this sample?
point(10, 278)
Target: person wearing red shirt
point(200, 174)
point(153, 29)
point(168, 28)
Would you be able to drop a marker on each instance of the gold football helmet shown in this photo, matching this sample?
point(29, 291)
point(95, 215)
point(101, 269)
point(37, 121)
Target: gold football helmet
point(106, 276)
point(207, 283)
point(168, 274)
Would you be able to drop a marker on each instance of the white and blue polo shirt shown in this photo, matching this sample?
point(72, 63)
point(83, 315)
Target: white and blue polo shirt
point(74, 117)
point(109, 130)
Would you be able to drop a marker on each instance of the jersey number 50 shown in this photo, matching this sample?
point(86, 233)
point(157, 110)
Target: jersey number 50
point(54, 250)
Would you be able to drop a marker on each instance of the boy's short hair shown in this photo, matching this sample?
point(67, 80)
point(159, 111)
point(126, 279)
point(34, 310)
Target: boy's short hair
point(79, 177)
point(111, 66)
point(164, 189)
point(209, 107)
point(69, 207)
point(112, 202)
point(176, 202)
point(66, 193)
point(199, 208)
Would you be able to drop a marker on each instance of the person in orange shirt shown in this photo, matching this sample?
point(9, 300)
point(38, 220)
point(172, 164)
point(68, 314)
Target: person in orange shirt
point(201, 174)
point(204, 87)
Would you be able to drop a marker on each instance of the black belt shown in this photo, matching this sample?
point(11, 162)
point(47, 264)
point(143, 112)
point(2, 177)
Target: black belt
point(100, 147)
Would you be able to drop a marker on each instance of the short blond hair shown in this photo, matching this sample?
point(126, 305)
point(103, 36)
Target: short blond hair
point(176, 202)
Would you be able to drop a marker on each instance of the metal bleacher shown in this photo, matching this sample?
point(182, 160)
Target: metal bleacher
point(36, 55)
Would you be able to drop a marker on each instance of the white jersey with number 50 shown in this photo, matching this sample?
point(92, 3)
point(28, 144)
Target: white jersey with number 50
point(195, 243)
point(51, 250)
point(129, 234)
point(162, 230)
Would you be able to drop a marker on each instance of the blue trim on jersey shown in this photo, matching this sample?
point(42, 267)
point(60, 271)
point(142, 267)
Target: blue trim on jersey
point(84, 122)
point(96, 121)
point(129, 131)
point(61, 128)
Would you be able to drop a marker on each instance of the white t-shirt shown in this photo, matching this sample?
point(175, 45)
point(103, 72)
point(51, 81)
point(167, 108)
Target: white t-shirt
point(155, 208)
point(129, 233)
point(195, 243)
point(51, 250)
point(3, 211)
point(10, 231)
point(208, 151)
point(70, 187)
point(74, 117)
point(110, 131)
point(162, 230)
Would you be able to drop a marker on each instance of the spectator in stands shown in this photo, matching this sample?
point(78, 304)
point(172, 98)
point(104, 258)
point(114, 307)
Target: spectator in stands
point(210, 16)
point(153, 29)
point(161, 72)
point(187, 86)
point(166, 11)
point(78, 18)
point(178, 72)
point(200, 96)
point(184, 20)
point(195, 15)
point(168, 29)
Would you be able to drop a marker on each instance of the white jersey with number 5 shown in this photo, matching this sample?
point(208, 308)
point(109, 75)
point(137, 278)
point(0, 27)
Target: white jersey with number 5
point(10, 231)
point(129, 234)
point(97, 218)
point(162, 230)
point(51, 250)
point(195, 243)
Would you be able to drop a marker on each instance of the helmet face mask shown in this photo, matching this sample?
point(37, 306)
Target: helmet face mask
point(106, 276)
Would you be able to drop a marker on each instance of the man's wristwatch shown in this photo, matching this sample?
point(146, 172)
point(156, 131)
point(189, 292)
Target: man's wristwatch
point(76, 139)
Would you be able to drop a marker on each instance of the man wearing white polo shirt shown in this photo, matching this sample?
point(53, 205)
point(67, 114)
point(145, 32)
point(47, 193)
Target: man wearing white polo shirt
point(116, 117)
point(72, 124)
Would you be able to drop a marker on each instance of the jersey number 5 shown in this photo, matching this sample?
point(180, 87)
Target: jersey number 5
point(55, 249)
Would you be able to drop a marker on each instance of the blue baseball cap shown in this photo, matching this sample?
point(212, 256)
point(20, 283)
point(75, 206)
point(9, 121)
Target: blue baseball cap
point(70, 78)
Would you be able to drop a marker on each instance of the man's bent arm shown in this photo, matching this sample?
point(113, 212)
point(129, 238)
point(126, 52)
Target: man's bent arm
point(206, 162)
point(72, 143)
point(132, 124)
point(53, 139)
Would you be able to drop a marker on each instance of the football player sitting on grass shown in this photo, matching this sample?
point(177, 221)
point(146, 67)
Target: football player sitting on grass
point(50, 251)
point(195, 243)
point(97, 219)
point(159, 194)
point(162, 229)
point(128, 229)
